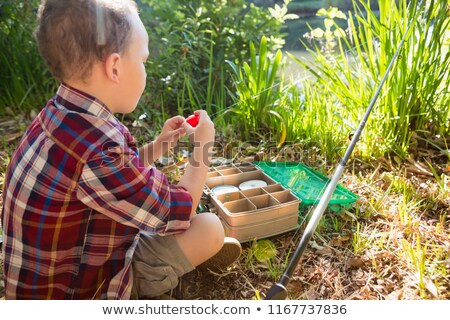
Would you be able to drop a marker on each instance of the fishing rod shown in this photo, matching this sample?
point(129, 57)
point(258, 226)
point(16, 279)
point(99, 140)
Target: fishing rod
point(278, 290)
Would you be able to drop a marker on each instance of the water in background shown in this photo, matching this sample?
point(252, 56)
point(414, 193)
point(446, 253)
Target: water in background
point(296, 30)
point(293, 70)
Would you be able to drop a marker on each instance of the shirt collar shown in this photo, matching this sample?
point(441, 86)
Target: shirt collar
point(76, 100)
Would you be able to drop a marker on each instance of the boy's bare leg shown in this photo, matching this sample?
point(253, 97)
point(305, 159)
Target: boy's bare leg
point(203, 239)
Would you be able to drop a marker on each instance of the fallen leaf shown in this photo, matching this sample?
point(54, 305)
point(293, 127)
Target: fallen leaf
point(326, 251)
point(355, 263)
point(314, 245)
point(419, 168)
point(395, 295)
point(217, 161)
point(335, 242)
point(339, 240)
point(248, 159)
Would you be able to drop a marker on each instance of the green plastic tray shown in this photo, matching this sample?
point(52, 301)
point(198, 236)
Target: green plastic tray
point(306, 183)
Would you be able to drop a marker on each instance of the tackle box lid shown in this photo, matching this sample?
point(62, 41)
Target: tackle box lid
point(306, 183)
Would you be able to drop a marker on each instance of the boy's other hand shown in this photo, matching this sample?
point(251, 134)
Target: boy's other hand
point(204, 132)
point(202, 138)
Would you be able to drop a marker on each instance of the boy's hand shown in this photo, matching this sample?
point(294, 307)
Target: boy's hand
point(172, 131)
point(202, 138)
point(204, 132)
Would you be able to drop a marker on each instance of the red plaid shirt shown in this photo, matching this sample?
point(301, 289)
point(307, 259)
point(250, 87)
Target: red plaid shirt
point(76, 196)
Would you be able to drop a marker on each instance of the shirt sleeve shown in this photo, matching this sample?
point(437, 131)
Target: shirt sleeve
point(116, 183)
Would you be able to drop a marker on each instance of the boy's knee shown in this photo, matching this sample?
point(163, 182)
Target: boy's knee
point(213, 229)
point(203, 239)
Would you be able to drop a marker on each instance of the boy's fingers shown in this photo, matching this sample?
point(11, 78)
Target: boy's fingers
point(179, 120)
point(176, 122)
point(173, 135)
point(203, 116)
point(178, 132)
point(201, 113)
point(187, 128)
point(181, 131)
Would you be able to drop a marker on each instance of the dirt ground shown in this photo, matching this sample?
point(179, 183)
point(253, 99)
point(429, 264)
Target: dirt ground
point(393, 243)
point(330, 268)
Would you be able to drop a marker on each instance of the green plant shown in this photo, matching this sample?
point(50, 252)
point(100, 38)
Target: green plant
point(258, 92)
point(399, 184)
point(407, 212)
point(2, 180)
point(25, 80)
point(349, 68)
point(314, 117)
point(190, 40)
point(416, 256)
point(440, 226)
point(265, 251)
point(442, 180)
point(361, 241)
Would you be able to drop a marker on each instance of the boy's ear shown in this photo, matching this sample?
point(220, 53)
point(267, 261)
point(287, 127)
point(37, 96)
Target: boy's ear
point(113, 67)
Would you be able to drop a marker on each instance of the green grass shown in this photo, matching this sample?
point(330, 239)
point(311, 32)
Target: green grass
point(258, 93)
point(348, 69)
point(325, 106)
point(26, 83)
point(361, 241)
point(415, 255)
point(394, 241)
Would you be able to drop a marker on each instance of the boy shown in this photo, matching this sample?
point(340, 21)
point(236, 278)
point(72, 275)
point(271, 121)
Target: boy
point(84, 214)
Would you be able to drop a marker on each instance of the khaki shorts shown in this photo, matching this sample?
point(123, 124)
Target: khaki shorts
point(158, 263)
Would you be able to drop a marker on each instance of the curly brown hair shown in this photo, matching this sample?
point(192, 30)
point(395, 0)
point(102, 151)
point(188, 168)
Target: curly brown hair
point(73, 34)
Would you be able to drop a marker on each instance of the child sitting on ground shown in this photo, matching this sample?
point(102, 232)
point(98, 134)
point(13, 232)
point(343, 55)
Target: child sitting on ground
point(84, 215)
